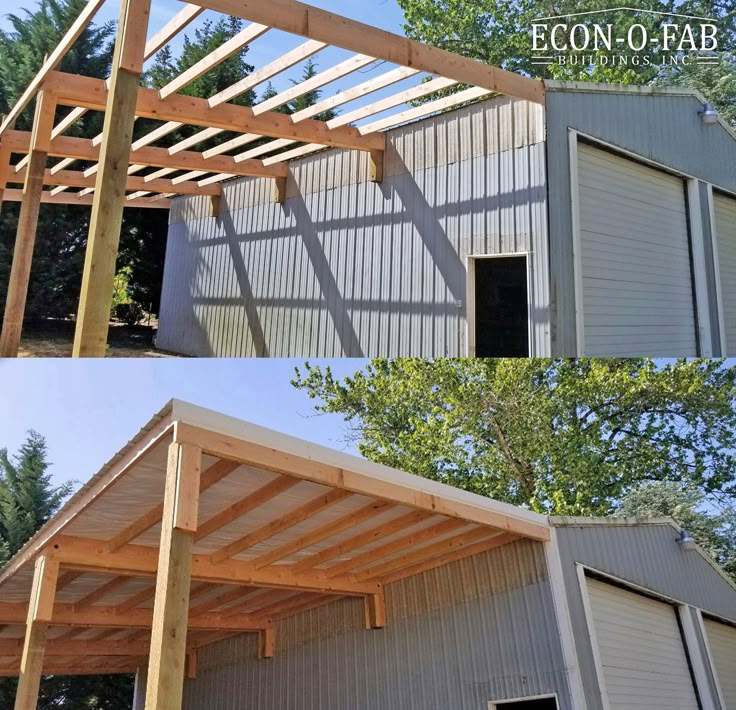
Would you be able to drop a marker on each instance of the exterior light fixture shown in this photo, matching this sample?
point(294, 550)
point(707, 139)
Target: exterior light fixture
point(708, 114)
point(686, 541)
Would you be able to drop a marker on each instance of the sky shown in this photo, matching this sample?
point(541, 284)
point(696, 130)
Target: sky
point(89, 409)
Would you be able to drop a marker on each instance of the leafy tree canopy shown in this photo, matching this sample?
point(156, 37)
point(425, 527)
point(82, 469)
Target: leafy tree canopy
point(499, 32)
point(565, 437)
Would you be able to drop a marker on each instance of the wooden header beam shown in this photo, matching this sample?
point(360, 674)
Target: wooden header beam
point(82, 149)
point(70, 198)
point(76, 178)
point(72, 90)
point(307, 21)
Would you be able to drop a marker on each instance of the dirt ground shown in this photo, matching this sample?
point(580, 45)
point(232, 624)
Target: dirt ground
point(53, 338)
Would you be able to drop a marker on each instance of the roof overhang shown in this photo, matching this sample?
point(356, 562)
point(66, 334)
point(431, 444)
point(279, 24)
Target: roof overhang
point(283, 525)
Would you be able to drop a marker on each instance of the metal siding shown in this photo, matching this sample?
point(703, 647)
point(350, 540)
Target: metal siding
point(637, 282)
point(724, 209)
point(645, 555)
point(722, 643)
point(475, 630)
point(659, 127)
point(641, 649)
point(348, 267)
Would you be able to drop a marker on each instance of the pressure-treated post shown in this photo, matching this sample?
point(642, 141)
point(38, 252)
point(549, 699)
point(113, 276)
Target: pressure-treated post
point(25, 238)
point(93, 316)
point(40, 609)
point(167, 659)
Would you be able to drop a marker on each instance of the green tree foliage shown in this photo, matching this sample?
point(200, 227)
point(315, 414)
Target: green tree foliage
point(28, 499)
point(566, 437)
point(499, 32)
point(715, 532)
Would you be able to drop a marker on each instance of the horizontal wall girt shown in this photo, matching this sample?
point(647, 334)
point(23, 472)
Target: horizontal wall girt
point(73, 90)
point(70, 198)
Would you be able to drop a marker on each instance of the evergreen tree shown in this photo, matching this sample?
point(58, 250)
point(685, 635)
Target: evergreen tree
point(27, 497)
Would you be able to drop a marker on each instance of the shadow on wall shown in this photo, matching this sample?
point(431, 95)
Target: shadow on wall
point(362, 270)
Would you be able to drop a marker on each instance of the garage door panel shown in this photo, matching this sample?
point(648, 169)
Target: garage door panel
point(635, 259)
point(641, 651)
point(724, 209)
point(722, 644)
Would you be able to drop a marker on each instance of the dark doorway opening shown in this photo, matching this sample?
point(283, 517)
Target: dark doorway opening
point(532, 704)
point(501, 307)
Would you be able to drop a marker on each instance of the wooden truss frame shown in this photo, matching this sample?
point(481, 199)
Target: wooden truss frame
point(201, 598)
point(110, 185)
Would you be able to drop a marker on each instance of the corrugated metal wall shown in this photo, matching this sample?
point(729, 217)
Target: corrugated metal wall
point(476, 630)
point(665, 128)
point(348, 267)
point(645, 555)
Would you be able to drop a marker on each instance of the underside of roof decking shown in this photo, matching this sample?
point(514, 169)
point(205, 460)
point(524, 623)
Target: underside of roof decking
point(282, 527)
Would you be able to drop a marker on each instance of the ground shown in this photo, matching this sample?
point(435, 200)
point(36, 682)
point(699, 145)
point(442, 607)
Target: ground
point(54, 338)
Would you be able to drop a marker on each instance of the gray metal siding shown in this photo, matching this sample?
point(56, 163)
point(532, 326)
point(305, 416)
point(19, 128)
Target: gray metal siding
point(664, 128)
point(348, 267)
point(647, 556)
point(725, 218)
point(476, 630)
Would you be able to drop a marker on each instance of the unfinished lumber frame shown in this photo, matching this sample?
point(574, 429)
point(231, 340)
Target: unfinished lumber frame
point(25, 238)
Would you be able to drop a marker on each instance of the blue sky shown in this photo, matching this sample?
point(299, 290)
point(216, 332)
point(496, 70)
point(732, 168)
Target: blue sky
point(88, 409)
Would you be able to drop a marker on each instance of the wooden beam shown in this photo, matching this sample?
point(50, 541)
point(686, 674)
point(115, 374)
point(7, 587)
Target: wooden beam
point(139, 561)
point(101, 592)
point(293, 517)
point(416, 92)
point(66, 647)
point(82, 149)
point(52, 61)
point(339, 71)
point(211, 60)
point(76, 90)
point(215, 473)
point(375, 611)
point(249, 502)
point(231, 595)
point(76, 178)
point(308, 21)
point(167, 658)
point(74, 198)
point(80, 667)
point(451, 556)
point(322, 533)
point(424, 110)
point(391, 527)
point(40, 610)
point(405, 492)
point(93, 316)
point(389, 78)
point(436, 549)
point(394, 546)
point(25, 238)
point(109, 617)
point(266, 643)
point(6, 169)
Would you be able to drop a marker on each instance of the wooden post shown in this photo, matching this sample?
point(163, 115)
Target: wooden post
point(40, 609)
point(93, 316)
point(266, 643)
point(25, 238)
point(375, 611)
point(167, 660)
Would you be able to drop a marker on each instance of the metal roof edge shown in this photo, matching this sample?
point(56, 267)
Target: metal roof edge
point(202, 417)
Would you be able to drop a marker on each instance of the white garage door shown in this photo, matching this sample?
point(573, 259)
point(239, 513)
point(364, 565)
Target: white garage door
point(641, 651)
point(637, 282)
point(722, 643)
point(725, 216)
